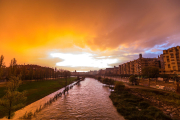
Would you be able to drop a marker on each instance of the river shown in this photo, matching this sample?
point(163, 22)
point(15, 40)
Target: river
point(88, 100)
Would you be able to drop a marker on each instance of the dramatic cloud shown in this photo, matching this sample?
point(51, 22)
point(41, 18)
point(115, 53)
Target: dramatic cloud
point(30, 30)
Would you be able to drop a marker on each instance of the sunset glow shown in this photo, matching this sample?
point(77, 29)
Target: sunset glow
point(81, 35)
point(82, 60)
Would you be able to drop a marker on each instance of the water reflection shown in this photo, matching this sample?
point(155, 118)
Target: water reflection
point(88, 100)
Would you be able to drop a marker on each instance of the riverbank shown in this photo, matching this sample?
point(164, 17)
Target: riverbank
point(39, 89)
point(167, 102)
point(133, 106)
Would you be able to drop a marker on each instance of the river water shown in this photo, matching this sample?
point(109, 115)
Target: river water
point(88, 100)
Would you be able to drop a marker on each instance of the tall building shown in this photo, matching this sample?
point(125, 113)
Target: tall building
point(135, 67)
point(116, 70)
point(171, 59)
point(127, 68)
point(109, 71)
point(162, 66)
point(131, 67)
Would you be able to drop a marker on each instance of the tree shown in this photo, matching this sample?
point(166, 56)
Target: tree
point(2, 66)
point(55, 72)
point(132, 79)
point(13, 99)
point(13, 68)
point(119, 86)
point(150, 72)
point(23, 72)
point(175, 77)
point(165, 77)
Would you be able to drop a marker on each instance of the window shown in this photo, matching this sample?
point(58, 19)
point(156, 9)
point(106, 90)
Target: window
point(174, 67)
point(169, 66)
point(170, 50)
point(172, 59)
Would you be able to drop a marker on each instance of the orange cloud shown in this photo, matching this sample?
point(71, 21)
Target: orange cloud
point(29, 30)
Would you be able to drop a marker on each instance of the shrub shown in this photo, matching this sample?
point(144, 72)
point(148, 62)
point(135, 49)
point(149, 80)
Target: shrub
point(139, 117)
point(119, 86)
point(99, 78)
point(108, 81)
point(126, 111)
point(143, 105)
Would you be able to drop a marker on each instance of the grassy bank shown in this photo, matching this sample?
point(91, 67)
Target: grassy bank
point(135, 108)
point(169, 98)
point(39, 89)
point(106, 81)
point(131, 106)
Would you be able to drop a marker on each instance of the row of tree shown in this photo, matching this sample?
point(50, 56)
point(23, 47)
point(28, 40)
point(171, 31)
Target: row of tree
point(29, 72)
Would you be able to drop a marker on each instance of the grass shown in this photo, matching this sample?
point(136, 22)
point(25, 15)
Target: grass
point(135, 108)
point(106, 81)
point(166, 97)
point(39, 89)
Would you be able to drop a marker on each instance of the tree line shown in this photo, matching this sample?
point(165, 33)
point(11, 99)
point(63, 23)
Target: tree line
point(29, 72)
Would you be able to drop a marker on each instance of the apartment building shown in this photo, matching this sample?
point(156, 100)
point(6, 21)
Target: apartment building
point(127, 65)
point(136, 66)
point(171, 59)
point(102, 72)
point(131, 67)
point(109, 71)
point(116, 70)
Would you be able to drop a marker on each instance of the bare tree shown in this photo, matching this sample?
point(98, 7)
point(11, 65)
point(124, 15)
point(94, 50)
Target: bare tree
point(2, 66)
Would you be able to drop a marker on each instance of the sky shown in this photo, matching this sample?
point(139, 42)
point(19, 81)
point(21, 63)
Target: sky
point(86, 35)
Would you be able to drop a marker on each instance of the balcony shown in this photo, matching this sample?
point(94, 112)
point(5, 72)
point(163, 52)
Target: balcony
point(172, 59)
point(170, 51)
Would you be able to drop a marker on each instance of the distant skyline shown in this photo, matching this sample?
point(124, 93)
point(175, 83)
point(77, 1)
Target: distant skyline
point(86, 35)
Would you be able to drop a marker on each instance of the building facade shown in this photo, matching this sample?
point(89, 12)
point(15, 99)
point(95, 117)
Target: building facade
point(135, 67)
point(171, 59)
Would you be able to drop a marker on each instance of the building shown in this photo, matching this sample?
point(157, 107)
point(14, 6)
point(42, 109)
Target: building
point(109, 71)
point(135, 67)
point(102, 72)
point(131, 67)
point(171, 59)
point(127, 65)
point(116, 70)
point(168, 63)
point(162, 65)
